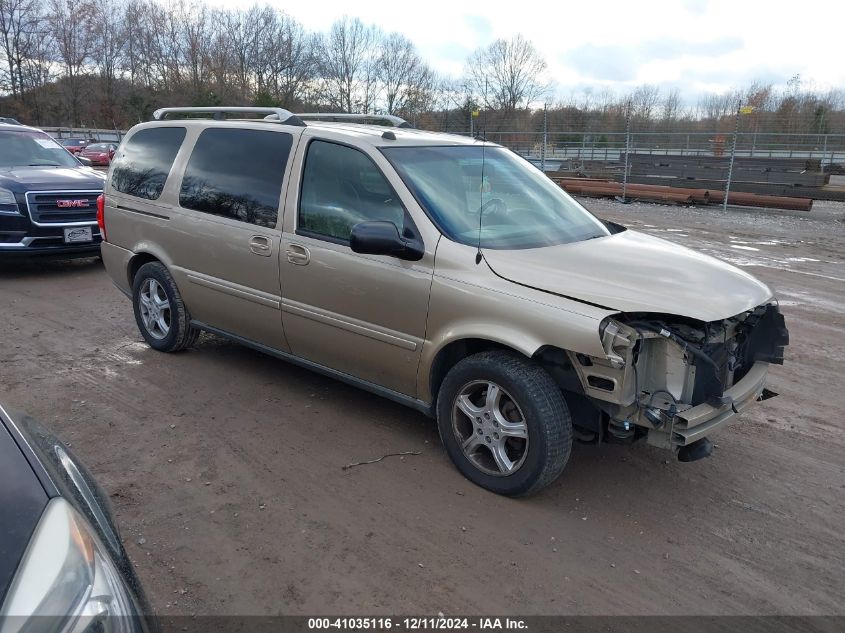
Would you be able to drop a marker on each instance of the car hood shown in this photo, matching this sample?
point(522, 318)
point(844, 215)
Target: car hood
point(634, 272)
point(35, 178)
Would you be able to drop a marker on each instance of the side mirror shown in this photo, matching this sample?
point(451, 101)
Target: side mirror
point(382, 238)
point(85, 161)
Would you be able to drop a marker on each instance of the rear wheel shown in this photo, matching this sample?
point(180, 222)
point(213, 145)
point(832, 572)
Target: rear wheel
point(160, 313)
point(504, 423)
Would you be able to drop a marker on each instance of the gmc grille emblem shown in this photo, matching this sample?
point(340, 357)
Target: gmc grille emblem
point(72, 204)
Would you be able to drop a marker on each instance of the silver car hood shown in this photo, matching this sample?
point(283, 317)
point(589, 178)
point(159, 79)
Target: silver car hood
point(634, 272)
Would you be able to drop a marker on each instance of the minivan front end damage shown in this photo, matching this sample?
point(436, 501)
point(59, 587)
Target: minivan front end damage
point(676, 379)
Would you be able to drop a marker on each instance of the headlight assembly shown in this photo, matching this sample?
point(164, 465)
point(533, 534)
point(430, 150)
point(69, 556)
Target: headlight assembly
point(67, 582)
point(615, 341)
point(8, 204)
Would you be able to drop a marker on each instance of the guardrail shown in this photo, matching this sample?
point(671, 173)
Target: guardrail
point(86, 133)
point(610, 146)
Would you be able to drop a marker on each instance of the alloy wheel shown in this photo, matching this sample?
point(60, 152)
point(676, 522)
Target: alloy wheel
point(155, 308)
point(490, 428)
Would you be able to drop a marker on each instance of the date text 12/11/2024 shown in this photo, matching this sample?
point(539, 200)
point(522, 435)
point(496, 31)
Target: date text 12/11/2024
point(417, 624)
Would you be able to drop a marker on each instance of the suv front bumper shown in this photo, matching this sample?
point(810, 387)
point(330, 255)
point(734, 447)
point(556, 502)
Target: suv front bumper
point(50, 245)
point(699, 421)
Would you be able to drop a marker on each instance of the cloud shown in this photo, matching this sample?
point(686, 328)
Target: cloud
point(622, 63)
point(667, 48)
point(481, 26)
point(698, 7)
point(604, 63)
point(740, 76)
point(453, 51)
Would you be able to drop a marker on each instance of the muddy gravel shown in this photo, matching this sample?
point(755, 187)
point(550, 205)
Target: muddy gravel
point(226, 467)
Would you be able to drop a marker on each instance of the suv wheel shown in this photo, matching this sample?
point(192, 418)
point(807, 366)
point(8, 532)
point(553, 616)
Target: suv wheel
point(504, 423)
point(159, 310)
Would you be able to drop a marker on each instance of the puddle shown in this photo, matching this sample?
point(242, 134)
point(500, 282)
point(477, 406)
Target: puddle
point(812, 299)
point(739, 261)
point(744, 248)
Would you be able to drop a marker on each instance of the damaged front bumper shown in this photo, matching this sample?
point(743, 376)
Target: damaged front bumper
point(699, 421)
point(675, 380)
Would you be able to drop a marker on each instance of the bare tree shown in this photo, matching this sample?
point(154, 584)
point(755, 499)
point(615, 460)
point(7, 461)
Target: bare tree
point(246, 30)
point(109, 41)
point(406, 80)
point(197, 36)
point(293, 60)
point(644, 101)
point(508, 74)
point(670, 107)
point(72, 26)
point(26, 51)
point(346, 59)
point(20, 22)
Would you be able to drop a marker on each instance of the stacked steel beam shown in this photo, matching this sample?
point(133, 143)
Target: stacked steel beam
point(677, 195)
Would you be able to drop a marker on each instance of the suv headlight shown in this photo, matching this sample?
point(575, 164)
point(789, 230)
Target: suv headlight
point(8, 204)
point(67, 575)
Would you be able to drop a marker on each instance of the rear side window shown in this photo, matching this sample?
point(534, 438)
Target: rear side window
point(237, 174)
point(146, 159)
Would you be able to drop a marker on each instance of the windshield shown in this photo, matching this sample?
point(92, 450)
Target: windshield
point(28, 148)
point(519, 206)
point(98, 147)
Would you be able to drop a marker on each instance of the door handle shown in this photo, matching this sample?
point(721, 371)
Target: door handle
point(260, 245)
point(298, 254)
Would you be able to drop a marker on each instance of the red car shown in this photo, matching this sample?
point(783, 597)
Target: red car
point(75, 145)
point(99, 153)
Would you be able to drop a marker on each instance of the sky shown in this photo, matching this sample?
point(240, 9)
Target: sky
point(698, 46)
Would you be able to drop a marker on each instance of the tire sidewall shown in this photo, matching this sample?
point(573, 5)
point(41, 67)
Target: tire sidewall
point(523, 480)
point(159, 273)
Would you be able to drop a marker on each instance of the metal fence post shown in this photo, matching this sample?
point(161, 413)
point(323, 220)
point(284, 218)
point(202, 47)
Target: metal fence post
point(824, 151)
point(733, 153)
point(545, 137)
point(627, 150)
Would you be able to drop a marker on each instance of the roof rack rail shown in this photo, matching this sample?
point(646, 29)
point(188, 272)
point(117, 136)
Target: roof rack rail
point(218, 113)
point(373, 119)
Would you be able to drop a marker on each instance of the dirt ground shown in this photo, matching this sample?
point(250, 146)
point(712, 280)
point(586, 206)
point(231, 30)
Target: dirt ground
point(224, 466)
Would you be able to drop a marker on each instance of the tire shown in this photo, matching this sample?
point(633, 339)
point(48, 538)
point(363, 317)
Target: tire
point(179, 334)
point(528, 402)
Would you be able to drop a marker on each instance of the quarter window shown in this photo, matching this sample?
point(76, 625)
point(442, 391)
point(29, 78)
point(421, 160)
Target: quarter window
point(237, 174)
point(145, 160)
point(341, 187)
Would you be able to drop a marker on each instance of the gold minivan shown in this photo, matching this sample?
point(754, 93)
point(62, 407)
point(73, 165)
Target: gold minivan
point(443, 272)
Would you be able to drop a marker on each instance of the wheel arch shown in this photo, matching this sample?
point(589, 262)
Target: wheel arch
point(143, 254)
point(555, 360)
point(456, 350)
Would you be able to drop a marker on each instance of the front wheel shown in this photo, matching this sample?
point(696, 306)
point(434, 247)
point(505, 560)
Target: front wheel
point(159, 310)
point(504, 423)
